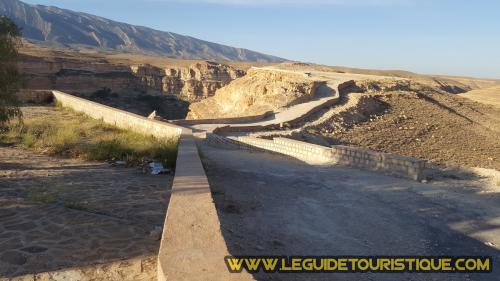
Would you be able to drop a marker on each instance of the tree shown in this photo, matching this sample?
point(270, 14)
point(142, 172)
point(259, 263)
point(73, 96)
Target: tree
point(10, 78)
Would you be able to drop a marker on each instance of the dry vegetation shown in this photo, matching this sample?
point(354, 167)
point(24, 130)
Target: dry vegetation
point(58, 131)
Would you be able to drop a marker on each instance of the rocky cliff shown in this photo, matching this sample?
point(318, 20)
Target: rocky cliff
point(84, 75)
point(261, 90)
point(195, 82)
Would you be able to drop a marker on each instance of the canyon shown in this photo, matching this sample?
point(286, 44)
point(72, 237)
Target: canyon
point(260, 91)
point(85, 73)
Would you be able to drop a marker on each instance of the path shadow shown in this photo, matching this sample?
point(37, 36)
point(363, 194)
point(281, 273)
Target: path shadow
point(74, 216)
point(268, 205)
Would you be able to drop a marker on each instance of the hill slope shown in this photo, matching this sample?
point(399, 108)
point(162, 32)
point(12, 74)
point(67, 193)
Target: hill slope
point(67, 28)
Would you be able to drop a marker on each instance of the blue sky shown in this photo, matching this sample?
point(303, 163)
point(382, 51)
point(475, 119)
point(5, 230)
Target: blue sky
point(426, 36)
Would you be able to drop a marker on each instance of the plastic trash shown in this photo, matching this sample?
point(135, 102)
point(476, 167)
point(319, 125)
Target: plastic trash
point(157, 168)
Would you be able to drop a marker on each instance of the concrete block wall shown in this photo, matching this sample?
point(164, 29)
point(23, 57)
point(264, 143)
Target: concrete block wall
point(357, 157)
point(119, 118)
point(364, 158)
point(234, 120)
point(310, 153)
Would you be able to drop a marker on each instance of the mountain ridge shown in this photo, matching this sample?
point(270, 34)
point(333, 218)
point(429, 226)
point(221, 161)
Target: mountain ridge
point(51, 25)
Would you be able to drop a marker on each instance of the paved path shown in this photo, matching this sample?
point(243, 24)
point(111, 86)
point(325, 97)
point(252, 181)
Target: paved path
point(271, 205)
point(329, 95)
point(59, 213)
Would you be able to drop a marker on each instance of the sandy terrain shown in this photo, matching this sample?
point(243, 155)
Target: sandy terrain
point(489, 96)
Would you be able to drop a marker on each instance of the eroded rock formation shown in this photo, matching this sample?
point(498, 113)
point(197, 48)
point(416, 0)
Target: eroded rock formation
point(261, 90)
point(198, 81)
point(86, 75)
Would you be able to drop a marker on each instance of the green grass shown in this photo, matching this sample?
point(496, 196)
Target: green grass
point(62, 132)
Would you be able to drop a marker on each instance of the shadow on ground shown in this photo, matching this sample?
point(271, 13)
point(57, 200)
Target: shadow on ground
point(271, 205)
point(62, 213)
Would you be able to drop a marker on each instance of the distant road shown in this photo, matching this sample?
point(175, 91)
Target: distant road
point(332, 79)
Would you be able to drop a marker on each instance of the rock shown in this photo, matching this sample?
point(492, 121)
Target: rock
point(491, 244)
point(70, 73)
point(258, 92)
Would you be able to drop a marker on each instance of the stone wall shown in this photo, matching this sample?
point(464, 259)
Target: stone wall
point(236, 120)
point(321, 155)
point(118, 118)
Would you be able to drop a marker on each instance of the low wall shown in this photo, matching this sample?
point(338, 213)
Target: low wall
point(192, 245)
point(364, 158)
point(236, 120)
point(316, 154)
point(119, 118)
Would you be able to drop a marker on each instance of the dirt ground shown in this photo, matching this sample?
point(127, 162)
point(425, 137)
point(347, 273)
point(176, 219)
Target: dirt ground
point(438, 127)
point(59, 213)
point(489, 95)
point(273, 205)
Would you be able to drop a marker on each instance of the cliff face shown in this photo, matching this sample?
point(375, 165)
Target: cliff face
point(256, 93)
point(199, 80)
point(86, 75)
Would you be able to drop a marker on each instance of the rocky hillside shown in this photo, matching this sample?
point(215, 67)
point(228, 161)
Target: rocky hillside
point(60, 27)
point(490, 95)
point(258, 92)
point(407, 118)
point(86, 73)
point(450, 84)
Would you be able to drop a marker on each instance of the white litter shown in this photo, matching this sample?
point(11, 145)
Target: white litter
point(157, 168)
